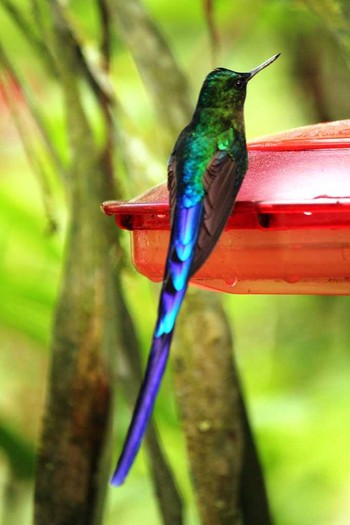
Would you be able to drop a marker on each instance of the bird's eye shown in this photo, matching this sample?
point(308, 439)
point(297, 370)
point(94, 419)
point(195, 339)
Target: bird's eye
point(239, 84)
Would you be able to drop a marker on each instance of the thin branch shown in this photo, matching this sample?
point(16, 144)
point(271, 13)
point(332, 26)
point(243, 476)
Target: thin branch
point(160, 72)
point(253, 495)
point(24, 26)
point(106, 101)
point(92, 71)
point(105, 24)
point(96, 74)
point(37, 15)
point(208, 6)
point(40, 21)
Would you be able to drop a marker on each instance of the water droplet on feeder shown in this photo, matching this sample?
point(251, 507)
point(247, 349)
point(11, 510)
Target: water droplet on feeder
point(232, 281)
point(292, 279)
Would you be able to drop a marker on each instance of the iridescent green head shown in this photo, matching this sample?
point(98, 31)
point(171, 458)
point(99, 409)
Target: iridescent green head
point(224, 88)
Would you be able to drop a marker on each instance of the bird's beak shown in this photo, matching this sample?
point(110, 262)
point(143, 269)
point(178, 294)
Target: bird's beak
point(253, 72)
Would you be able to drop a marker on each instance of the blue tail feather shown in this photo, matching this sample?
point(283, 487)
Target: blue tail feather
point(185, 229)
point(144, 406)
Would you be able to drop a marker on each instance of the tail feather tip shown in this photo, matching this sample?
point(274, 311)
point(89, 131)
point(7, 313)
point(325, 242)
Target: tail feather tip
point(117, 479)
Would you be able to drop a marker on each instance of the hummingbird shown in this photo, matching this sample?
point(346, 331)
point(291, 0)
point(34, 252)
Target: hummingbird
point(205, 171)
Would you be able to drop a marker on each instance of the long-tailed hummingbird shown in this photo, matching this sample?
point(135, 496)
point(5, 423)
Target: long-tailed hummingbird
point(205, 172)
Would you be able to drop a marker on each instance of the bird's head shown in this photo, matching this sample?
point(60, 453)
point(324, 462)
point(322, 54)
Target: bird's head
point(224, 88)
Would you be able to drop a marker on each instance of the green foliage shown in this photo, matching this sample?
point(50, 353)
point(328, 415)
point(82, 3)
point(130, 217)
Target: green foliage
point(292, 351)
point(293, 356)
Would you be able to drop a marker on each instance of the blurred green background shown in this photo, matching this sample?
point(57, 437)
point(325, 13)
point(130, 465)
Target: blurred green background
point(292, 351)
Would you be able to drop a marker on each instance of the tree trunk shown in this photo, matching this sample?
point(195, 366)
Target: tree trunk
point(208, 397)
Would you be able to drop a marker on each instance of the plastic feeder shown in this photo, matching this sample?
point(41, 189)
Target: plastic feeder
point(289, 232)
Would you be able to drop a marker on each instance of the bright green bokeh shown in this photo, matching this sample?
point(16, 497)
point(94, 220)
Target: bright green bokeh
point(292, 351)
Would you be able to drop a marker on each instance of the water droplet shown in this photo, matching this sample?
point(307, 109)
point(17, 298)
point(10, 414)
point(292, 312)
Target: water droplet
point(307, 212)
point(232, 281)
point(292, 279)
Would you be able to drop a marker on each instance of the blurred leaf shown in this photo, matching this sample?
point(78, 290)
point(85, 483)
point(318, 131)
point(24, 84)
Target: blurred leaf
point(19, 453)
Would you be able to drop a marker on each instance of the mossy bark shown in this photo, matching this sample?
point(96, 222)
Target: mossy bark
point(69, 488)
point(208, 398)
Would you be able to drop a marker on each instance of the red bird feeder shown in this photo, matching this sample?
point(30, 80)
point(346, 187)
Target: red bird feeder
point(289, 232)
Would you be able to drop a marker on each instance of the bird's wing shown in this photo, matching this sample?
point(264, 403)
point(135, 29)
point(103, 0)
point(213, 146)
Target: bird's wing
point(222, 180)
point(172, 183)
point(172, 180)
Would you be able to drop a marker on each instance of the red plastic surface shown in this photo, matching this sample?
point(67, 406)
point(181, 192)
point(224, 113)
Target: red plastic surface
point(290, 228)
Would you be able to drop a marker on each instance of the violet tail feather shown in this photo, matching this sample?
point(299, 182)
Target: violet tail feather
point(144, 406)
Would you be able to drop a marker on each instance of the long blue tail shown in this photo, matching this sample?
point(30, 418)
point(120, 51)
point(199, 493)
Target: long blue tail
point(144, 406)
point(185, 229)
